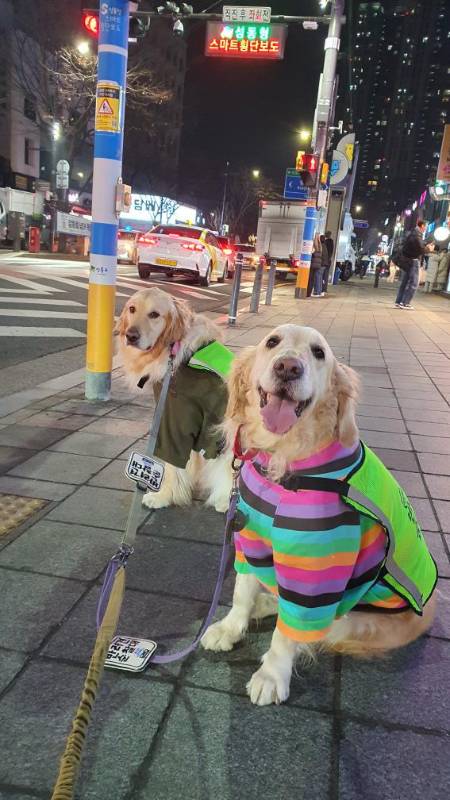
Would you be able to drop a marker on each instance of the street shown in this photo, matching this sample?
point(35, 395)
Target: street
point(43, 312)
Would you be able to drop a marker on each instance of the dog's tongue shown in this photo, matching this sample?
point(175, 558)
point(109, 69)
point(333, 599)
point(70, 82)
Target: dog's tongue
point(279, 414)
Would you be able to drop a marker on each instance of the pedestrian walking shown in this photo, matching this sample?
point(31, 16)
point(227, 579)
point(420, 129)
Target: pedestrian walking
point(319, 259)
point(392, 271)
point(413, 250)
point(326, 261)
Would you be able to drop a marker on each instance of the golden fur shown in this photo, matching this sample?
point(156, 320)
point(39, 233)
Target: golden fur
point(161, 320)
point(334, 389)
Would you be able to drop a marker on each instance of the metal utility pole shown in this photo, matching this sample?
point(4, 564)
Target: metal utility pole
point(319, 142)
point(327, 83)
point(108, 145)
point(224, 199)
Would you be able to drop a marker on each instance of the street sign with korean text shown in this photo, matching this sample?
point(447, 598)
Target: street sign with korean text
point(293, 186)
point(245, 40)
point(62, 167)
point(107, 107)
point(443, 170)
point(73, 224)
point(62, 180)
point(360, 223)
point(246, 13)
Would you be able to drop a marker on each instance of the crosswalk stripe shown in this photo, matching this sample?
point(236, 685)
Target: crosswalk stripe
point(40, 301)
point(16, 330)
point(39, 287)
point(28, 312)
point(162, 284)
point(78, 284)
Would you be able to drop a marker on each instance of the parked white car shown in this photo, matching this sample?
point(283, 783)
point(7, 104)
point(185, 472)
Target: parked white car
point(183, 250)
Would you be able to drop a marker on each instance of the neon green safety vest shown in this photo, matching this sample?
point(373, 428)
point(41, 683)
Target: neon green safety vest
point(214, 357)
point(373, 491)
point(411, 570)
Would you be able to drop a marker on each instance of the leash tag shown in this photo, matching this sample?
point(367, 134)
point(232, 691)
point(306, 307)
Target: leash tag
point(129, 653)
point(145, 471)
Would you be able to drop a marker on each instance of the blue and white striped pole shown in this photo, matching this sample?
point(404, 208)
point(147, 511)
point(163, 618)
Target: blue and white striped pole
point(309, 228)
point(108, 145)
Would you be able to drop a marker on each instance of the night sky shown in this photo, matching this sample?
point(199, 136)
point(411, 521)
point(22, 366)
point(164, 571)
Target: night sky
point(248, 112)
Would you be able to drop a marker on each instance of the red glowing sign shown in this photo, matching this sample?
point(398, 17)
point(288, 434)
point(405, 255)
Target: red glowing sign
point(249, 42)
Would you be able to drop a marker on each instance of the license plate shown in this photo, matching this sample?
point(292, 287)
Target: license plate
point(166, 262)
point(145, 470)
point(129, 653)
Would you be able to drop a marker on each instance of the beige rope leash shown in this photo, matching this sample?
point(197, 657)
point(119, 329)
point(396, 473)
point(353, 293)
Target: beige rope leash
point(70, 761)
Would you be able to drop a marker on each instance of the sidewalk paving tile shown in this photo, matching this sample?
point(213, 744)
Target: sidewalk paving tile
point(36, 603)
point(435, 463)
point(403, 765)
point(63, 550)
point(172, 622)
point(411, 481)
point(443, 511)
point(439, 553)
point(384, 412)
point(74, 406)
point(431, 444)
point(60, 467)
point(28, 487)
point(439, 486)
point(234, 752)
point(113, 477)
point(11, 662)
point(59, 419)
point(400, 686)
point(93, 444)
point(381, 424)
point(424, 512)
point(10, 456)
point(30, 438)
point(107, 507)
point(119, 427)
point(197, 522)
point(131, 411)
point(395, 441)
point(429, 428)
point(116, 741)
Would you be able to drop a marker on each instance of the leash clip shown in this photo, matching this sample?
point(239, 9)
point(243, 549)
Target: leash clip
point(123, 554)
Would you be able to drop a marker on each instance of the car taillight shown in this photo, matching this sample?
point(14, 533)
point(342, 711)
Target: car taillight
point(295, 262)
point(227, 251)
point(147, 239)
point(197, 247)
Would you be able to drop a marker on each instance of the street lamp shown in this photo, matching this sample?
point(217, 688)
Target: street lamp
point(56, 131)
point(224, 198)
point(305, 135)
point(256, 173)
point(83, 48)
point(358, 209)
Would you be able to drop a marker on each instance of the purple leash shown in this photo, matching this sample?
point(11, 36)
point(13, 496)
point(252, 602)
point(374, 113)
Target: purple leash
point(126, 549)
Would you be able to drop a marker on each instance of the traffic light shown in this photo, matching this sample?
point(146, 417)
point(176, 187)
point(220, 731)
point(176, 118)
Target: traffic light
point(90, 23)
point(309, 165)
point(139, 25)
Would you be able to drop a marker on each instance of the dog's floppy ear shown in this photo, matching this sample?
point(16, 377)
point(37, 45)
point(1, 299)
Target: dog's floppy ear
point(121, 324)
point(178, 323)
point(348, 388)
point(239, 385)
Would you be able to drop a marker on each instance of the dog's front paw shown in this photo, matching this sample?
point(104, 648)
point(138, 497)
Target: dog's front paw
point(265, 688)
point(154, 500)
point(220, 637)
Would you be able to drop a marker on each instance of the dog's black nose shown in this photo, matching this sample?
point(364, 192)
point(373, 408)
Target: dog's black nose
point(132, 335)
point(288, 369)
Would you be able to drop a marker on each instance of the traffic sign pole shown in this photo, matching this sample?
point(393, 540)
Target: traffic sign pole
point(309, 227)
point(108, 146)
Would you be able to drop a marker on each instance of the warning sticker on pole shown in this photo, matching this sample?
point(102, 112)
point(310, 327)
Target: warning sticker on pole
point(107, 107)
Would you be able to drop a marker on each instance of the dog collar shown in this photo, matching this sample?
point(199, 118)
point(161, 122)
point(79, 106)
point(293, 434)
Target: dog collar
point(238, 453)
point(174, 350)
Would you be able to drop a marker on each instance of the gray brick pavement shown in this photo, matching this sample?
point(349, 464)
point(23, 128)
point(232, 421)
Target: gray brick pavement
point(351, 729)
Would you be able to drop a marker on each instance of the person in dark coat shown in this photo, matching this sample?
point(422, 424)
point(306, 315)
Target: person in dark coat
point(326, 260)
point(413, 251)
point(319, 255)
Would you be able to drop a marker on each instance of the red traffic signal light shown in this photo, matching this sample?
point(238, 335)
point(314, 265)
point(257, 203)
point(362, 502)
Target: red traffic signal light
point(308, 166)
point(90, 23)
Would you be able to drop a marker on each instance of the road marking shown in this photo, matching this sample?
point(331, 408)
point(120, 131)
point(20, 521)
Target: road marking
point(71, 282)
point(27, 312)
point(15, 330)
point(40, 301)
point(37, 287)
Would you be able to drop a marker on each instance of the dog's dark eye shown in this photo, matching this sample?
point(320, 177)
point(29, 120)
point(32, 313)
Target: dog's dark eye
point(318, 352)
point(153, 315)
point(273, 341)
point(131, 309)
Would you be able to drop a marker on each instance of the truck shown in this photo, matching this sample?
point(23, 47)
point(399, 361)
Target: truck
point(15, 201)
point(279, 234)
